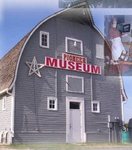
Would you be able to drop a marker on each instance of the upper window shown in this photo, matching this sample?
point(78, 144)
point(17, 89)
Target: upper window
point(95, 106)
point(4, 103)
point(74, 84)
point(99, 51)
point(74, 46)
point(44, 39)
point(52, 103)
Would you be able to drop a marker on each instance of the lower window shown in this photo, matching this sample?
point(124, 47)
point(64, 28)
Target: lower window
point(96, 106)
point(52, 103)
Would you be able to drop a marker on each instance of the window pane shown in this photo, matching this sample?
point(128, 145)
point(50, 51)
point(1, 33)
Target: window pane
point(51, 104)
point(42, 36)
point(42, 42)
point(44, 39)
point(74, 105)
point(45, 43)
point(94, 107)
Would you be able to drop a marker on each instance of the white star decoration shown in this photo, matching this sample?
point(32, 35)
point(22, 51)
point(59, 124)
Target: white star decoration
point(34, 67)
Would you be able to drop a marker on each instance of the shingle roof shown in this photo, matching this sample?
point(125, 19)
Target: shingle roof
point(8, 65)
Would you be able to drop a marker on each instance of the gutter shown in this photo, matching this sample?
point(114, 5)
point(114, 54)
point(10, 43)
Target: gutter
point(4, 91)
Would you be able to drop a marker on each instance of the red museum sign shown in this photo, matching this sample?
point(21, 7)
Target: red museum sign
point(77, 65)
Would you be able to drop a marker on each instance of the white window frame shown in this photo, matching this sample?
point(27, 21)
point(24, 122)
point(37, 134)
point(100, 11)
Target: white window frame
point(4, 103)
point(48, 103)
point(98, 106)
point(98, 56)
point(75, 40)
point(74, 77)
point(45, 33)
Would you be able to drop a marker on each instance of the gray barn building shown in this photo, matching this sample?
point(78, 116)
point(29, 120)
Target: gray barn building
point(53, 87)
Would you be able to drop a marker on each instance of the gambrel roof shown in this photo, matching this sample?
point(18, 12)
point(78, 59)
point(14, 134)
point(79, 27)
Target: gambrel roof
point(10, 62)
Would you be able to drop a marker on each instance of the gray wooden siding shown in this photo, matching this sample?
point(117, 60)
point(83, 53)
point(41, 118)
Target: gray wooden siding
point(5, 115)
point(39, 138)
point(97, 137)
point(32, 119)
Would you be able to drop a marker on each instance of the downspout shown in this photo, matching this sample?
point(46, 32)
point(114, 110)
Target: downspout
point(122, 105)
point(56, 72)
point(122, 102)
point(109, 128)
point(12, 109)
point(91, 79)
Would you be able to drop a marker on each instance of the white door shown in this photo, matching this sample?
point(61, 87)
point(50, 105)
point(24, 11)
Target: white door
point(75, 120)
point(75, 126)
point(75, 123)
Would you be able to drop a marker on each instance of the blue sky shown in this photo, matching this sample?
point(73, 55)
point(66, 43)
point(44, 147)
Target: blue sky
point(18, 17)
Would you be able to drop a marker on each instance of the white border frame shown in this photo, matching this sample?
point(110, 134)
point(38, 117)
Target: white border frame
point(82, 108)
point(40, 39)
point(75, 40)
point(4, 103)
point(56, 103)
point(98, 106)
point(74, 78)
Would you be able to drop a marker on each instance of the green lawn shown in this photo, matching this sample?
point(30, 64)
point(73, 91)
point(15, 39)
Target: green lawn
point(65, 146)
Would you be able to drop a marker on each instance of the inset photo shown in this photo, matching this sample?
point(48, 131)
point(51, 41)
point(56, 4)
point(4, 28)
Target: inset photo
point(118, 32)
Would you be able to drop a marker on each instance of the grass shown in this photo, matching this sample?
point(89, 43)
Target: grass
point(64, 146)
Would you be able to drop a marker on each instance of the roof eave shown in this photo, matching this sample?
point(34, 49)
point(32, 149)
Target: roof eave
point(3, 91)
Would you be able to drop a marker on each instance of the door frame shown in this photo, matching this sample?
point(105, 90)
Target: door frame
point(81, 101)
